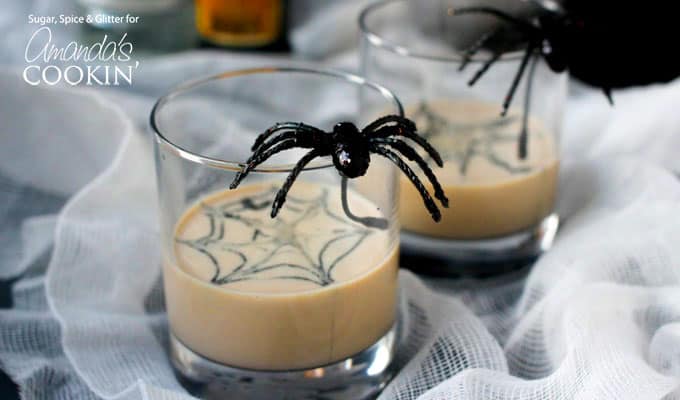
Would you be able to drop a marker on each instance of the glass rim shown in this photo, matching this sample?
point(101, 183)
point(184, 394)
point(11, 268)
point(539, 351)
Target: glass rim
point(214, 162)
point(379, 41)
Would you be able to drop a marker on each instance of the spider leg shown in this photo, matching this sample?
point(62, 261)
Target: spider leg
point(524, 133)
point(481, 71)
point(476, 46)
point(518, 77)
point(259, 157)
point(389, 118)
point(427, 199)
point(281, 195)
point(285, 135)
point(608, 93)
point(407, 129)
point(371, 222)
point(296, 126)
point(412, 155)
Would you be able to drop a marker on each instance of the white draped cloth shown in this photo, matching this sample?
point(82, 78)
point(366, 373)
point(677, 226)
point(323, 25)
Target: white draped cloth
point(597, 317)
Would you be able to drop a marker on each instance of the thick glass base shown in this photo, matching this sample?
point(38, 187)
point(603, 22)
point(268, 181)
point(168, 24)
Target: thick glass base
point(477, 258)
point(359, 377)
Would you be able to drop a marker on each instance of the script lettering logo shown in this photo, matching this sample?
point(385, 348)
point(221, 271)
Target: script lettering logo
point(104, 63)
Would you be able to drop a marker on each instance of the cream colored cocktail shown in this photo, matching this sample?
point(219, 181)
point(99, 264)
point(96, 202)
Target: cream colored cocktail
point(304, 289)
point(493, 193)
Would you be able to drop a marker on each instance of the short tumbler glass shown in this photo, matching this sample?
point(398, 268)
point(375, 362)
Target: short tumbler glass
point(302, 305)
point(502, 206)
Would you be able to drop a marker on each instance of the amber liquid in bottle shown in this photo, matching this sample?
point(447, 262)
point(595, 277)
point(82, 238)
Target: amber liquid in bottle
point(241, 23)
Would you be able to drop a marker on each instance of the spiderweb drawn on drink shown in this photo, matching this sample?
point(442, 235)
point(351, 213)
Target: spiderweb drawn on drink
point(462, 142)
point(262, 253)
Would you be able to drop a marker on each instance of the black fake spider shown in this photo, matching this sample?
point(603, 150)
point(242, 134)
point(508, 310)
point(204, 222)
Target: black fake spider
point(351, 151)
point(545, 35)
point(593, 39)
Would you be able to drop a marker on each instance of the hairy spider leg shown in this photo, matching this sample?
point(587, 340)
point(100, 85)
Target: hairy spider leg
point(532, 32)
point(485, 67)
point(371, 222)
point(524, 133)
point(386, 119)
point(475, 47)
point(259, 157)
point(408, 152)
point(405, 128)
point(518, 77)
point(278, 138)
point(281, 194)
point(535, 37)
point(296, 126)
point(427, 199)
point(529, 29)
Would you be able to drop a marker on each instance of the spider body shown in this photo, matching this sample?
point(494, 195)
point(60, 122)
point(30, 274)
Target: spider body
point(351, 155)
point(609, 44)
point(350, 149)
point(554, 43)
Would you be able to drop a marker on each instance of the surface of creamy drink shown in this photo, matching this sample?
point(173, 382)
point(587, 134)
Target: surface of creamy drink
point(304, 289)
point(492, 192)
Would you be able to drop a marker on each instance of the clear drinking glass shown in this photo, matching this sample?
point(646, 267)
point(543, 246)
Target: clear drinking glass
point(502, 206)
point(285, 307)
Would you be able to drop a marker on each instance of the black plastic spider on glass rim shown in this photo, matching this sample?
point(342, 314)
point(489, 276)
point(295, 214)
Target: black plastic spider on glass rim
point(546, 36)
point(350, 150)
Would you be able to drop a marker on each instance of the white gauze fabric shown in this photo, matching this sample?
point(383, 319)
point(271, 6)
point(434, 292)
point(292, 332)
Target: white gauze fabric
point(598, 317)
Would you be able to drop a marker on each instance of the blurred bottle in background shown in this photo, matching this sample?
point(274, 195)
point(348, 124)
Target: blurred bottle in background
point(243, 24)
point(163, 25)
